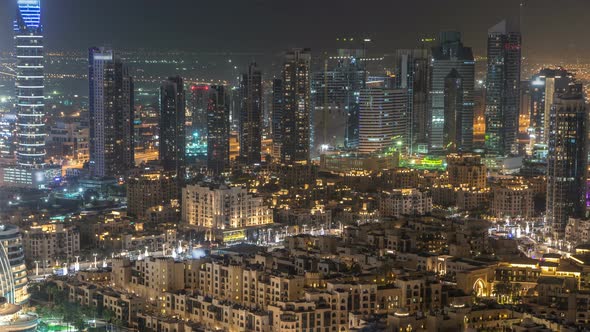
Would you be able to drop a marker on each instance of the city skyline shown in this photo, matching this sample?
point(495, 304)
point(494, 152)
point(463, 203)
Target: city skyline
point(336, 181)
point(388, 29)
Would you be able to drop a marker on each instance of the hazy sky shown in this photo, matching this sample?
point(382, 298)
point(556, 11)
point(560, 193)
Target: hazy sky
point(550, 27)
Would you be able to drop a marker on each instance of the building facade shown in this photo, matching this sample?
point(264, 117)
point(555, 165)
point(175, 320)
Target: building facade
point(251, 116)
point(49, 242)
point(172, 137)
point(502, 88)
point(382, 119)
point(413, 74)
point(222, 207)
point(296, 110)
point(451, 55)
point(13, 272)
point(111, 102)
point(567, 159)
point(218, 129)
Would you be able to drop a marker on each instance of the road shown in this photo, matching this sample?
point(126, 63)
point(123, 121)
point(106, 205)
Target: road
point(140, 157)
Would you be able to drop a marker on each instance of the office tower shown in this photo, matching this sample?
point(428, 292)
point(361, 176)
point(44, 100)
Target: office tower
point(172, 138)
point(218, 130)
point(30, 127)
point(111, 114)
point(544, 85)
point(13, 272)
point(567, 159)
point(413, 74)
point(197, 131)
point(335, 100)
point(277, 117)
point(251, 116)
point(502, 89)
point(448, 55)
point(453, 95)
point(295, 123)
point(382, 119)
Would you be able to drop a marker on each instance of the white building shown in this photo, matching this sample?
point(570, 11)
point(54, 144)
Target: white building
point(405, 202)
point(223, 207)
point(382, 119)
point(51, 241)
point(13, 272)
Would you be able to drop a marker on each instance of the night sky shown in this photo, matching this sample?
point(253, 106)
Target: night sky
point(549, 26)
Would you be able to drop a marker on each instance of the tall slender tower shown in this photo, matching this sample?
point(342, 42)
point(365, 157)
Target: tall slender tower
point(277, 118)
point(413, 74)
point(502, 88)
point(251, 116)
point(448, 55)
point(567, 160)
point(172, 147)
point(218, 129)
point(111, 114)
point(30, 128)
point(296, 107)
point(453, 111)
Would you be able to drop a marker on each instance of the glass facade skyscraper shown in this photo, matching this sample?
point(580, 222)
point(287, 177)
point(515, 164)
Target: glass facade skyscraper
point(172, 144)
point(502, 89)
point(448, 56)
point(296, 112)
point(251, 116)
point(567, 160)
point(30, 127)
point(111, 114)
point(218, 129)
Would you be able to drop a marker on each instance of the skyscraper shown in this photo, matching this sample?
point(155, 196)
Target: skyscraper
point(218, 129)
point(502, 89)
point(413, 74)
point(251, 116)
point(295, 123)
point(197, 132)
point(30, 127)
point(277, 117)
point(335, 100)
point(172, 144)
point(111, 114)
point(382, 119)
point(567, 159)
point(544, 85)
point(30, 170)
point(453, 95)
point(448, 55)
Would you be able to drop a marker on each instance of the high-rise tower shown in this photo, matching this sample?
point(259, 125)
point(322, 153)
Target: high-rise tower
point(451, 55)
point(111, 114)
point(218, 129)
point(502, 89)
point(567, 159)
point(277, 117)
point(172, 145)
point(413, 74)
point(543, 87)
point(382, 119)
point(251, 116)
point(296, 107)
point(30, 128)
